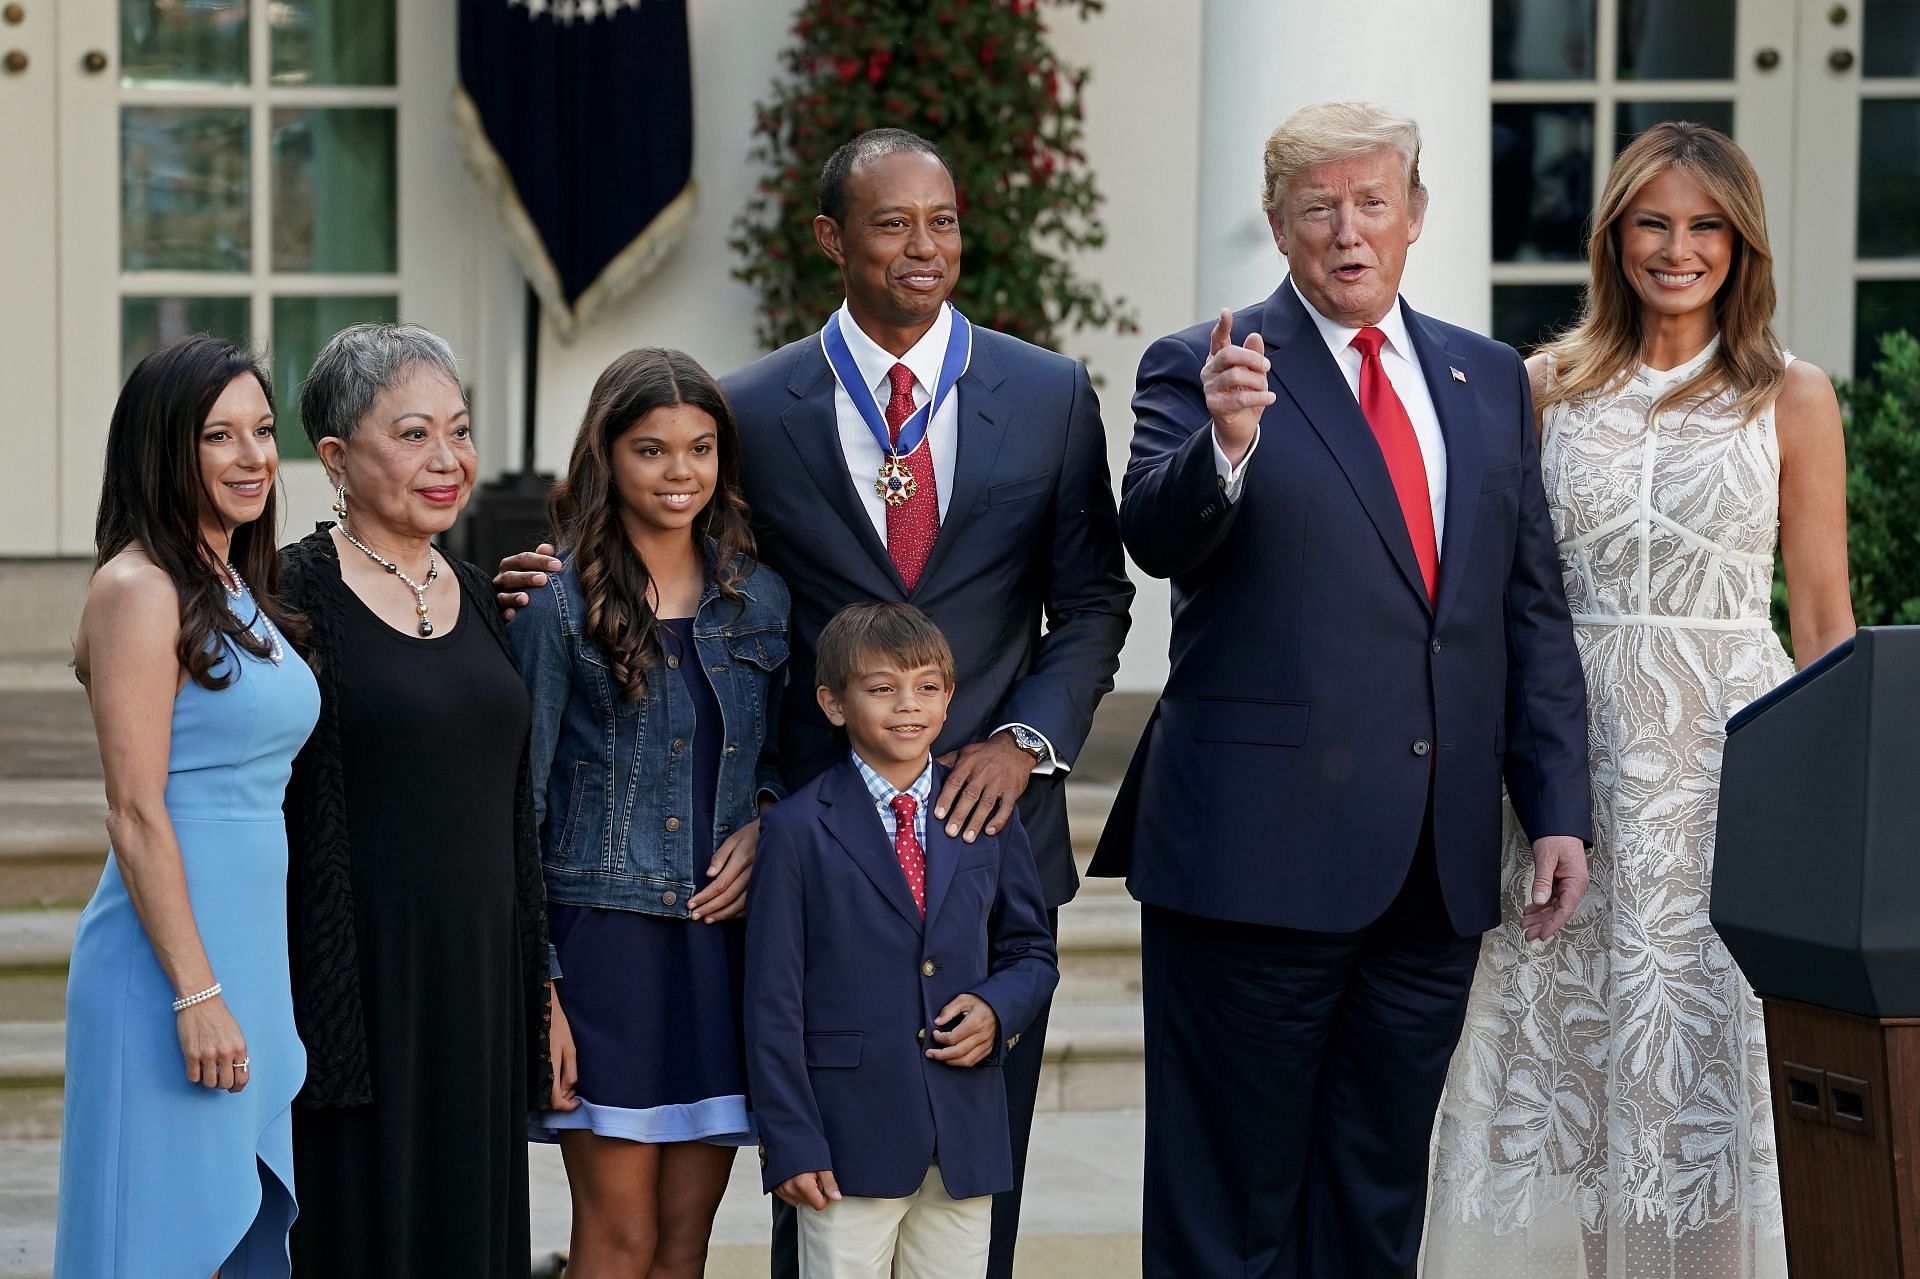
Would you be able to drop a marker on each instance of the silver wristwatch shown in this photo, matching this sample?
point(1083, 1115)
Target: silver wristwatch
point(1029, 741)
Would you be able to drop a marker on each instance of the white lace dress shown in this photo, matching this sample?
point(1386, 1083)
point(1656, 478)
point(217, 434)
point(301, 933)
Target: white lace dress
point(1607, 1114)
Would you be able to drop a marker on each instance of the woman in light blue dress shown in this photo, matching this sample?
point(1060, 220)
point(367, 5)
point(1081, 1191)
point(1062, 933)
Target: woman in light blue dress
point(182, 1061)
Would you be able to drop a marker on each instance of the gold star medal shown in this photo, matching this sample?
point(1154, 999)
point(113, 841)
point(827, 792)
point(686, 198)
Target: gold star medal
point(895, 483)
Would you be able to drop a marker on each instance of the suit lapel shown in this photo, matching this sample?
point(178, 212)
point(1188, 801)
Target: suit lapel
point(1307, 372)
point(1454, 404)
point(942, 852)
point(814, 429)
point(855, 824)
point(983, 418)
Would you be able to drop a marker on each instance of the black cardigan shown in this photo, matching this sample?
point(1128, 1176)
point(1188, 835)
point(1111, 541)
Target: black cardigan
point(324, 952)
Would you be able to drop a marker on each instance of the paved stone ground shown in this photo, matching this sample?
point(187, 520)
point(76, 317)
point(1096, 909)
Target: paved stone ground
point(1082, 1214)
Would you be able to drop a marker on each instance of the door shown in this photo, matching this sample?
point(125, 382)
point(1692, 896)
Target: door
point(1856, 231)
point(264, 170)
point(1824, 95)
point(1574, 82)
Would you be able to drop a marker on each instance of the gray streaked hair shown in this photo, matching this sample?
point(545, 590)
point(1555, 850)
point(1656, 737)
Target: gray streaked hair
point(358, 363)
point(1330, 131)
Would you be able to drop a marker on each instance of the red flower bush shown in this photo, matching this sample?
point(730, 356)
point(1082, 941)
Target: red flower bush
point(982, 83)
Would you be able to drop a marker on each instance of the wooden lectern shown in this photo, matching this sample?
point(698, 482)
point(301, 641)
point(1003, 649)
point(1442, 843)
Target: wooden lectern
point(1816, 892)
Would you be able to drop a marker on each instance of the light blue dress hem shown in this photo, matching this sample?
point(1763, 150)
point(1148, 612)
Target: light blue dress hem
point(719, 1121)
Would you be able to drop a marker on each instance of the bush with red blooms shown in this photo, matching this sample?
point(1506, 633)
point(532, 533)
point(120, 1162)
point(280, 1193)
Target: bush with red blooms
point(975, 77)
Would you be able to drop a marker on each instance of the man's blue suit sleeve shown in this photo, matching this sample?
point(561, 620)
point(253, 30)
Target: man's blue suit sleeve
point(1088, 594)
point(1173, 511)
point(1546, 760)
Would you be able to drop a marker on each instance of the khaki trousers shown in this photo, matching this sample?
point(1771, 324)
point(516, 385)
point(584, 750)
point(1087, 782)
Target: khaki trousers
point(927, 1235)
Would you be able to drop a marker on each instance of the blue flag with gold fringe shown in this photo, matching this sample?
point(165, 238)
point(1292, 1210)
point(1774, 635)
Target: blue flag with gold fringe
point(577, 118)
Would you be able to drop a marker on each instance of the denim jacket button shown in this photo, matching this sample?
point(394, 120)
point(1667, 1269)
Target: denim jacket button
point(673, 661)
point(668, 899)
point(673, 823)
point(718, 670)
point(678, 746)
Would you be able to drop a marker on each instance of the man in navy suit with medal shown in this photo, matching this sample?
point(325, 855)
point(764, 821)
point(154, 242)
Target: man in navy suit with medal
point(1369, 636)
point(903, 453)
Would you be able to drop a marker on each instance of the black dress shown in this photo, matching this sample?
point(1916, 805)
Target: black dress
point(430, 1178)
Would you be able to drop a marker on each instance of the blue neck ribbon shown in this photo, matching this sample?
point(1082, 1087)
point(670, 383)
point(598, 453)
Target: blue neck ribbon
point(953, 363)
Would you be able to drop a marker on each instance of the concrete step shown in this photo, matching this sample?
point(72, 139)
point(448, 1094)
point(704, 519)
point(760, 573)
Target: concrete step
point(1099, 950)
point(32, 1066)
point(53, 840)
point(1095, 1059)
point(34, 946)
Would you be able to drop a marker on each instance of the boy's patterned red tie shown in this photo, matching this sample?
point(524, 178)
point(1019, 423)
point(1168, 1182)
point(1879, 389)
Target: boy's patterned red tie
point(913, 861)
point(912, 525)
point(1401, 449)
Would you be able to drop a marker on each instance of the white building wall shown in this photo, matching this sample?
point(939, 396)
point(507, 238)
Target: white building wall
point(1182, 95)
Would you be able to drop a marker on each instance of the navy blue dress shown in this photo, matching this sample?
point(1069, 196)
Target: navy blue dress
point(654, 1002)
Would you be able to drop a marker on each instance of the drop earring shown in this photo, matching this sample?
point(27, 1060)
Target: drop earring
point(340, 502)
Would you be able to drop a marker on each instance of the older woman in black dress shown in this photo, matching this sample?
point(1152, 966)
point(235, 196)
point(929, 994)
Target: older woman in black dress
point(419, 952)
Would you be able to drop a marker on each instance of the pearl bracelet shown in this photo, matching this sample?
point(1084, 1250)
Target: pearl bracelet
point(188, 1001)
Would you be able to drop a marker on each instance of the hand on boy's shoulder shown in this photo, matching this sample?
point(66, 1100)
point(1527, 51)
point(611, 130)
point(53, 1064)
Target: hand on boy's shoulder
point(970, 1041)
point(813, 1190)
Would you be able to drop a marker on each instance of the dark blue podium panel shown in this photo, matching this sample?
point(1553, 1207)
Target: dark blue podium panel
point(1816, 877)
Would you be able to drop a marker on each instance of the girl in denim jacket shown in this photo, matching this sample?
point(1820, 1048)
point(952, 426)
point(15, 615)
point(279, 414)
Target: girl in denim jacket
point(655, 659)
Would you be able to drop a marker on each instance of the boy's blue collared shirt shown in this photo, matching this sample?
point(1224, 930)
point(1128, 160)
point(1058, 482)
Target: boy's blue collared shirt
point(883, 792)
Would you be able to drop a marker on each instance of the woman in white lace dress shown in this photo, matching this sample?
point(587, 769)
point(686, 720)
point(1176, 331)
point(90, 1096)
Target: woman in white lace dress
point(1607, 1114)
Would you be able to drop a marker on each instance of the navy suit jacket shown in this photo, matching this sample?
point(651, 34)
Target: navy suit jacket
point(1030, 534)
point(844, 979)
point(1315, 694)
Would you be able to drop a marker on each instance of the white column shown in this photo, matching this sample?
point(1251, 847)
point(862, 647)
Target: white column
point(1261, 61)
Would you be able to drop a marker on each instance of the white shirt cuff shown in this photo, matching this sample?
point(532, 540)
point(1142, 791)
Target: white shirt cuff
point(1232, 477)
point(1049, 763)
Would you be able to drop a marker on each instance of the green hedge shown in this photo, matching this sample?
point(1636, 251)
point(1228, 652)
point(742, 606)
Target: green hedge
point(1882, 417)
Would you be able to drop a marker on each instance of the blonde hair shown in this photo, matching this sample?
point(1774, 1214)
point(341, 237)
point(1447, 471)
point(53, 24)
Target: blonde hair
point(1602, 349)
point(1329, 131)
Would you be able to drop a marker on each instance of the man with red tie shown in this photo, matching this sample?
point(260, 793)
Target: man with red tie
point(904, 454)
point(1369, 636)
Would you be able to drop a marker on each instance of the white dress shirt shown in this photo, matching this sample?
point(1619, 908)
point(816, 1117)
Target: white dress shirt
point(862, 452)
point(857, 445)
point(1403, 370)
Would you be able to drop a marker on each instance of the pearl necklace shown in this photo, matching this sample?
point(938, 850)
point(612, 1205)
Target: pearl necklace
point(419, 589)
point(236, 586)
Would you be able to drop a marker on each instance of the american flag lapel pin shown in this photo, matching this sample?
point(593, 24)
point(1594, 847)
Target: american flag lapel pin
point(1458, 376)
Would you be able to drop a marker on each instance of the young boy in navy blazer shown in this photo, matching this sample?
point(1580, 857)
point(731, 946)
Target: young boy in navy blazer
point(890, 969)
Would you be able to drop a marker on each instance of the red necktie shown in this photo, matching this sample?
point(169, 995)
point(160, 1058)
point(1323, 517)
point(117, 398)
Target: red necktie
point(912, 525)
point(1393, 429)
point(913, 861)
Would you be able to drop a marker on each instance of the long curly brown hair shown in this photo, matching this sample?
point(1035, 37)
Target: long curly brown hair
point(152, 496)
point(1602, 349)
point(584, 507)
